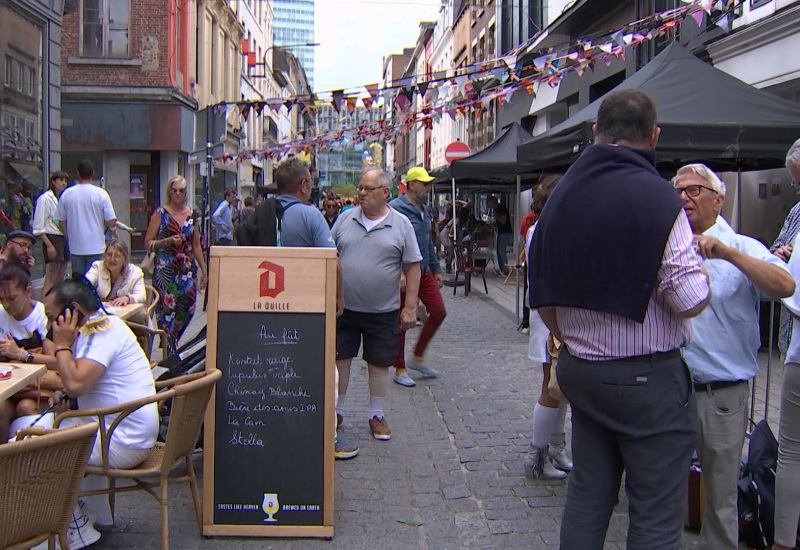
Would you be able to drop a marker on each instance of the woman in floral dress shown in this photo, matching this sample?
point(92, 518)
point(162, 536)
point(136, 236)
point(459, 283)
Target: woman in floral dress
point(174, 237)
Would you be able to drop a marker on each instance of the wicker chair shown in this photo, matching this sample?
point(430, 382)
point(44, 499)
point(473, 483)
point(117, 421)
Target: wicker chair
point(39, 482)
point(146, 336)
point(151, 299)
point(190, 396)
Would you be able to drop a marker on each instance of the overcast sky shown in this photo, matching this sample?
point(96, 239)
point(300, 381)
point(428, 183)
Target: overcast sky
point(355, 36)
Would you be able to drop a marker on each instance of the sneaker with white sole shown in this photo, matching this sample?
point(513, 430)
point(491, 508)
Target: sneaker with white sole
point(380, 428)
point(425, 370)
point(81, 533)
point(537, 465)
point(404, 380)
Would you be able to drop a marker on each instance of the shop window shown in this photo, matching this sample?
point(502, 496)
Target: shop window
point(105, 25)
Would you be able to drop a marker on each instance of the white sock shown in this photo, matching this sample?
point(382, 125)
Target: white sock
point(376, 406)
point(558, 427)
point(544, 421)
point(340, 403)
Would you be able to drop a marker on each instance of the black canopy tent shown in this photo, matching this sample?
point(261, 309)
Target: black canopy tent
point(705, 115)
point(493, 167)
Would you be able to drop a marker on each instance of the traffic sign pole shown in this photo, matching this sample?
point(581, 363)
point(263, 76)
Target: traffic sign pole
point(456, 150)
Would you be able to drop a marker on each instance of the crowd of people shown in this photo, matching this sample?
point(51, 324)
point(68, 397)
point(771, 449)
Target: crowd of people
point(93, 358)
point(641, 308)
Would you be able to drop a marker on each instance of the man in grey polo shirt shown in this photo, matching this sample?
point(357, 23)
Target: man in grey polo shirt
point(376, 245)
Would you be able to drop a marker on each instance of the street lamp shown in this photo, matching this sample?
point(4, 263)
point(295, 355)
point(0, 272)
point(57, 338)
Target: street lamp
point(287, 46)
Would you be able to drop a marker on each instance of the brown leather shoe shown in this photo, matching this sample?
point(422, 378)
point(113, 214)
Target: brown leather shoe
point(379, 428)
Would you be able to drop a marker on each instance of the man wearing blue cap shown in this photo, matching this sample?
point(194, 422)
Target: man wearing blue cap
point(412, 205)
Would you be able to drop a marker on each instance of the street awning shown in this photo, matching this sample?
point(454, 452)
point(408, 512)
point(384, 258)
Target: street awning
point(29, 172)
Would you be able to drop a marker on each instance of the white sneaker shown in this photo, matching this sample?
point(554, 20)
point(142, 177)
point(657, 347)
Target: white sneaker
point(81, 533)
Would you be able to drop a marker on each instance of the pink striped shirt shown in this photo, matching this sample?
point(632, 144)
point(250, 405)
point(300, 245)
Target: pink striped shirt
point(598, 336)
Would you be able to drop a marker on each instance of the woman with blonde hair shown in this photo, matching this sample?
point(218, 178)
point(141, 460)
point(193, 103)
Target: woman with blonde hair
point(174, 237)
point(116, 280)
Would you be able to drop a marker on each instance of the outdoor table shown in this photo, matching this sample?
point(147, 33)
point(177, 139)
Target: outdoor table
point(22, 374)
point(125, 312)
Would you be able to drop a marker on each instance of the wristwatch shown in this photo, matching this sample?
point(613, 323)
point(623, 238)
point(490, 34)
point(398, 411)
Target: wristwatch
point(28, 357)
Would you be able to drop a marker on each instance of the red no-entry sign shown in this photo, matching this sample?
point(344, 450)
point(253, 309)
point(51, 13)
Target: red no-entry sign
point(456, 150)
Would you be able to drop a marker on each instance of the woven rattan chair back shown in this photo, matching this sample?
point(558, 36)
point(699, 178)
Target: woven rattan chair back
point(39, 482)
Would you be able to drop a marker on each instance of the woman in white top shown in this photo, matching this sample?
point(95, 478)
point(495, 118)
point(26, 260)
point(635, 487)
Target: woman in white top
point(117, 280)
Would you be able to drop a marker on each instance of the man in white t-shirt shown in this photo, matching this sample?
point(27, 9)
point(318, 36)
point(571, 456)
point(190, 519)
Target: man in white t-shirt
point(84, 210)
point(102, 365)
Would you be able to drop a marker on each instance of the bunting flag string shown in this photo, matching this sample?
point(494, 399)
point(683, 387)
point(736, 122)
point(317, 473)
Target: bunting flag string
point(473, 90)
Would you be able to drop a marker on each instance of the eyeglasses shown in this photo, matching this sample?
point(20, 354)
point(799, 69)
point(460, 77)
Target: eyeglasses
point(366, 189)
point(23, 246)
point(693, 190)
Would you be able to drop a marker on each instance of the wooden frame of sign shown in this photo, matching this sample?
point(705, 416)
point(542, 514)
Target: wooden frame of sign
point(269, 429)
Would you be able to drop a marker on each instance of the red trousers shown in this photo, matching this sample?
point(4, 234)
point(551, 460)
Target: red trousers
point(431, 297)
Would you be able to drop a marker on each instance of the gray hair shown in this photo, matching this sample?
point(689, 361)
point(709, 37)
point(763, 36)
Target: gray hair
point(385, 179)
point(793, 155)
point(704, 172)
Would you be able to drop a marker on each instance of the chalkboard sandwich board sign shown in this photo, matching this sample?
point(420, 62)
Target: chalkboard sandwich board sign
point(269, 433)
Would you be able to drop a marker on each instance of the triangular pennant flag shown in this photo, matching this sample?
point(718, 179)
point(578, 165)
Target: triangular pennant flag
point(723, 23)
point(618, 38)
point(477, 86)
point(422, 87)
point(367, 101)
point(372, 90)
point(510, 94)
point(628, 38)
point(402, 101)
point(607, 47)
point(433, 95)
point(259, 106)
point(698, 18)
point(244, 110)
point(461, 82)
point(351, 104)
point(338, 99)
point(539, 63)
point(510, 61)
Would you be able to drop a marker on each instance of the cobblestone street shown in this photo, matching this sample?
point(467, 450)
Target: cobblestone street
point(451, 477)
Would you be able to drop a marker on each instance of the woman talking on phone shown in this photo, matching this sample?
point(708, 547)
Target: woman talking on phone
point(174, 237)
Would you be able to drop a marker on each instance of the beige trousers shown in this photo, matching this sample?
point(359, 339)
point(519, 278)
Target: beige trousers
point(723, 423)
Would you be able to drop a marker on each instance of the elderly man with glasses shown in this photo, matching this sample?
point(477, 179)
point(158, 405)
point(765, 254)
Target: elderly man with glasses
point(722, 354)
point(17, 249)
point(376, 245)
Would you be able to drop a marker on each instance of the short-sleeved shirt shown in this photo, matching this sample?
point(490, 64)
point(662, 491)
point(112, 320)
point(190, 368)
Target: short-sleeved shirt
point(302, 225)
point(85, 208)
point(372, 261)
point(43, 214)
point(27, 333)
point(725, 335)
point(127, 377)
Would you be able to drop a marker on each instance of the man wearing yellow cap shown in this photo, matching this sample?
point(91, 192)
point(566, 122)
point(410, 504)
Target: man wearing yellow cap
point(412, 205)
